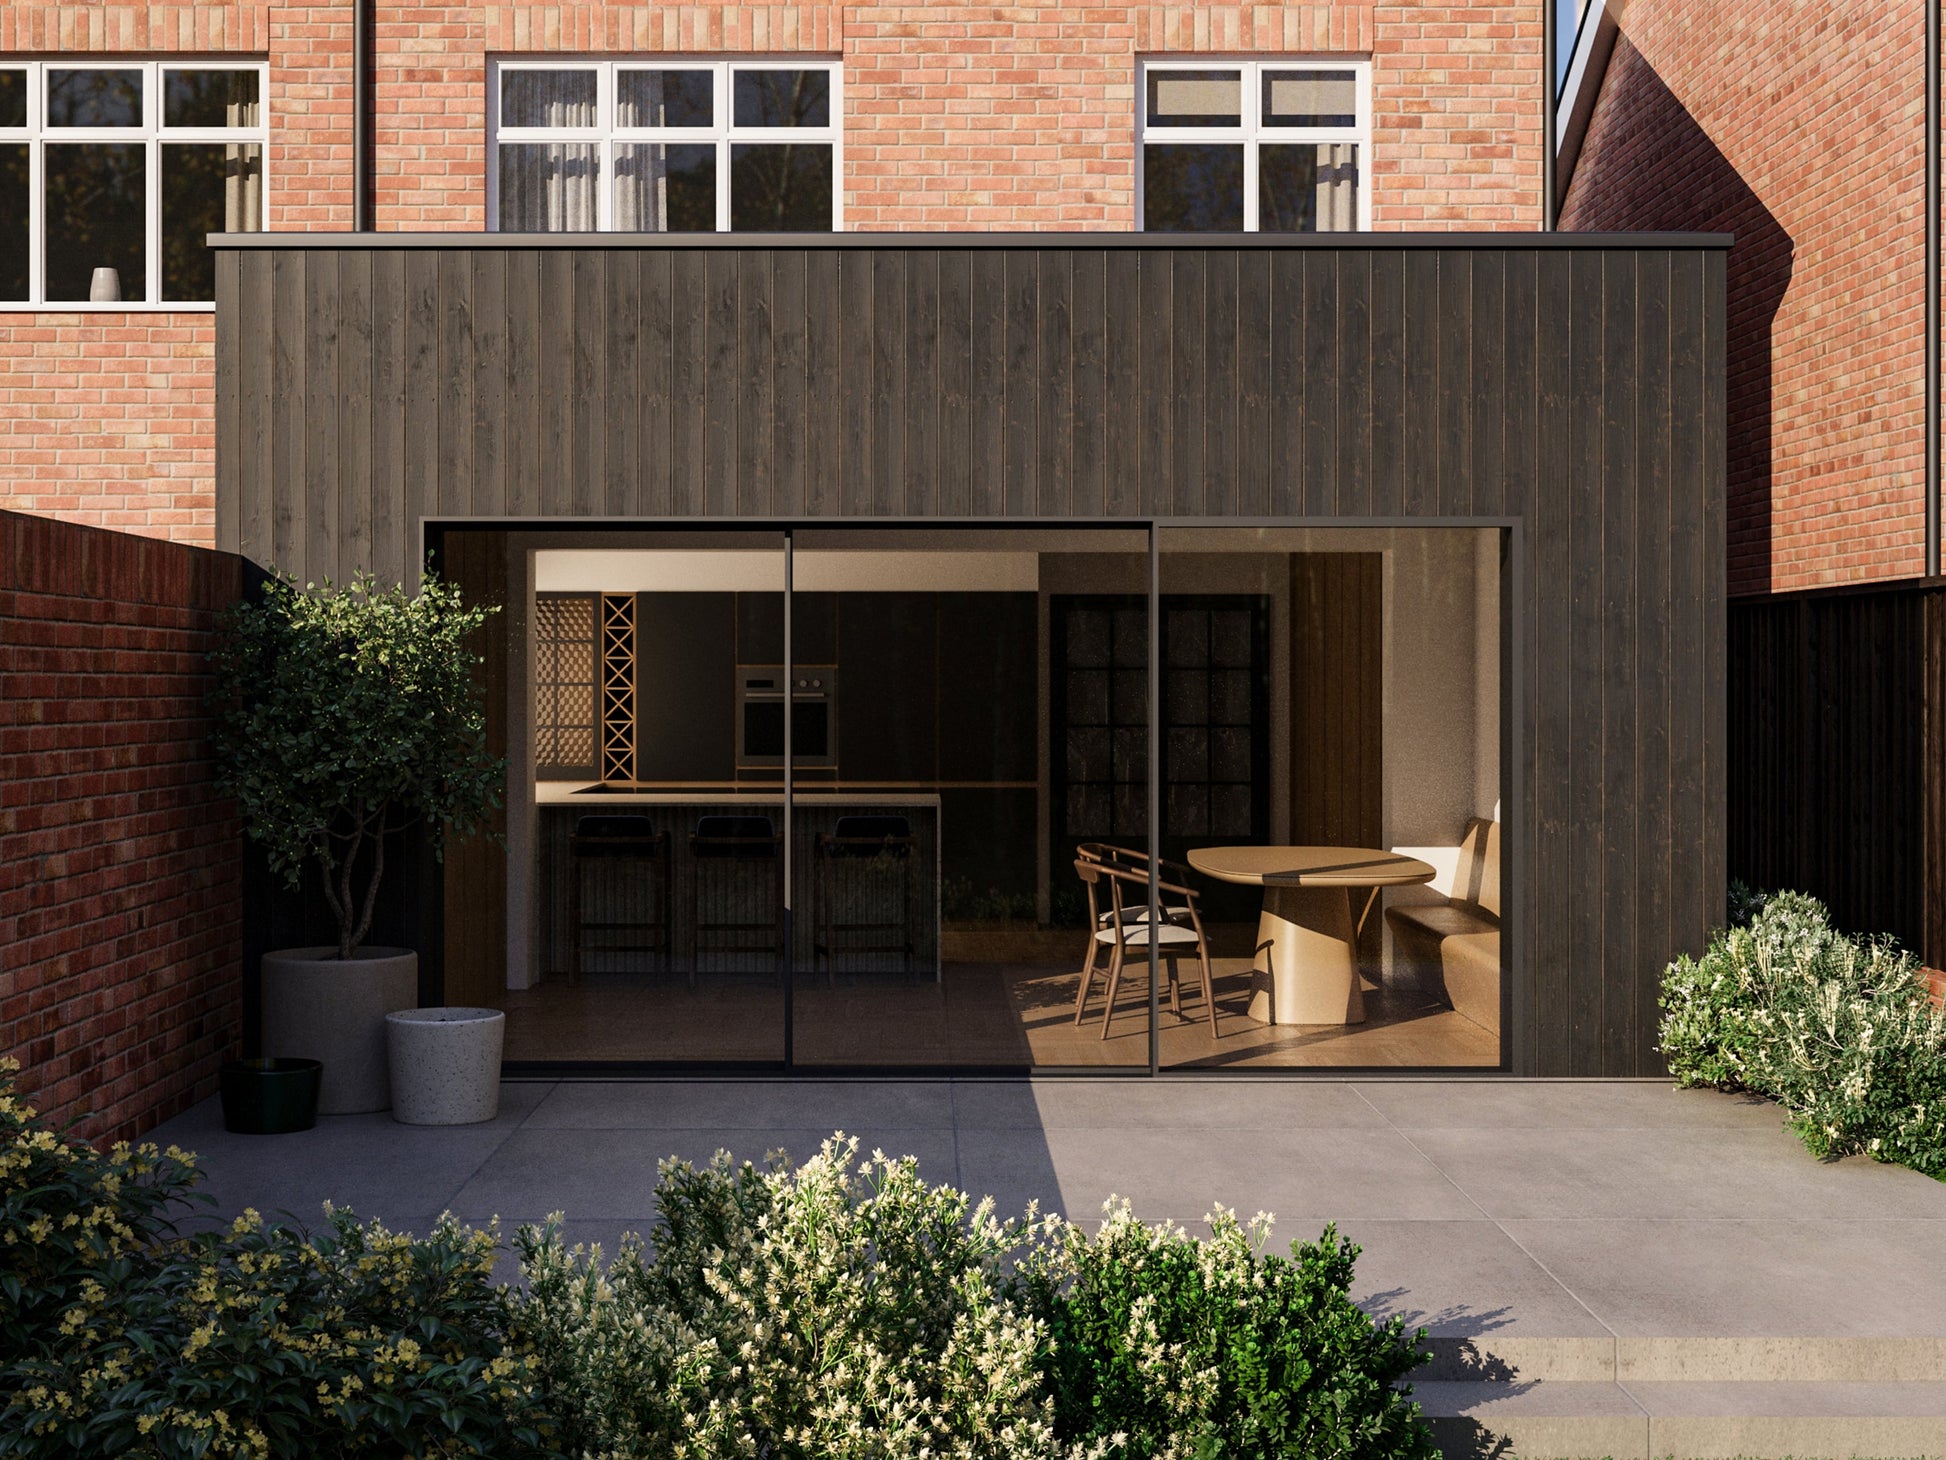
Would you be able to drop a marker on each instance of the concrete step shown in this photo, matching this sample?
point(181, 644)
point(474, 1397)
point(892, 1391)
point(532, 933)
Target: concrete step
point(1567, 1419)
point(1713, 1360)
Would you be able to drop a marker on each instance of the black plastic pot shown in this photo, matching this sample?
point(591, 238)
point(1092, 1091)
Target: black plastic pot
point(270, 1097)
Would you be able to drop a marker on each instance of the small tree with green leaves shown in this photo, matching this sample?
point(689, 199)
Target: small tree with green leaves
point(345, 715)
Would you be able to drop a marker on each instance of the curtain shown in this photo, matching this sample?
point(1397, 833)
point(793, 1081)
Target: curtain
point(243, 173)
point(642, 168)
point(1337, 187)
point(549, 187)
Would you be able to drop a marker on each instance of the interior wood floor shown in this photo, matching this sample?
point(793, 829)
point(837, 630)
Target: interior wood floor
point(1013, 1015)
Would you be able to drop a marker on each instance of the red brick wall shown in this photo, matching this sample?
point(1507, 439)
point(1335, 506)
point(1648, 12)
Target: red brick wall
point(120, 873)
point(1807, 142)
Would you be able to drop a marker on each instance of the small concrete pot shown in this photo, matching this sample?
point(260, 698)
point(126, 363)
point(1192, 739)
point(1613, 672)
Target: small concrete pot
point(445, 1065)
point(321, 1007)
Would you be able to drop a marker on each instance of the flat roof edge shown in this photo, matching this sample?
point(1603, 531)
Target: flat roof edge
point(1468, 239)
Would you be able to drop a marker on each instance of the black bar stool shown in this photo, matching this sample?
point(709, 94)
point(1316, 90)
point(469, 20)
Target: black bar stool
point(854, 860)
point(624, 840)
point(731, 842)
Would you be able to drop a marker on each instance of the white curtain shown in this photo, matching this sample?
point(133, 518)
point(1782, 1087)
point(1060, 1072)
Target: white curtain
point(642, 168)
point(550, 187)
point(1337, 187)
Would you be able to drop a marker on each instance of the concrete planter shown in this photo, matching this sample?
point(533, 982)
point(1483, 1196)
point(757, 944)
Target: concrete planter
point(318, 1006)
point(445, 1064)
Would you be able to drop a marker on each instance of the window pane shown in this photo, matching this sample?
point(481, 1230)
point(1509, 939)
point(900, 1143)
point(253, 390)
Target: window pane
point(664, 189)
point(780, 187)
point(1310, 99)
point(207, 187)
point(94, 216)
point(1195, 98)
point(94, 98)
point(549, 187)
point(665, 99)
point(783, 99)
point(13, 220)
point(1192, 188)
point(13, 98)
point(547, 98)
point(1307, 187)
point(210, 99)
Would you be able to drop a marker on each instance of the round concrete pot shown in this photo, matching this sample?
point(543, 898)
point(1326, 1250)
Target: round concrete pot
point(321, 1007)
point(445, 1065)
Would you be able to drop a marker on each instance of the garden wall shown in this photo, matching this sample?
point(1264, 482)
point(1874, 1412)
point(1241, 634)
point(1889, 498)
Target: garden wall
point(120, 871)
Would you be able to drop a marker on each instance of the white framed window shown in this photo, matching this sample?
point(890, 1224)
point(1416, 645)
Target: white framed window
point(665, 144)
point(126, 165)
point(1266, 145)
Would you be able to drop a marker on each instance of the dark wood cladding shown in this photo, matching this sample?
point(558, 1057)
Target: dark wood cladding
point(1574, 385)
point(1838, 705)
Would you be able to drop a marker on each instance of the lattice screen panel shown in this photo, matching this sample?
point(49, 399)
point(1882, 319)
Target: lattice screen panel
point(618, 686)
point(564, 683)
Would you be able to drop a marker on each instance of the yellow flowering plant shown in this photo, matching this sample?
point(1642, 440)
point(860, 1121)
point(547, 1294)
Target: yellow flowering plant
point(126, 1337)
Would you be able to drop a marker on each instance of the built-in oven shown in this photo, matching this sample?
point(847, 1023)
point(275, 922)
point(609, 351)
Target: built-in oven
point(760, 716)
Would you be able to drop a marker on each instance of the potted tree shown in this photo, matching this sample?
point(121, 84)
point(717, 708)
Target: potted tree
point(343, 716)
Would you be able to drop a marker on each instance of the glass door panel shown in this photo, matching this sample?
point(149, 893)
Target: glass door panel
point(1331, 761)
point(975, 742)
point(660, 909)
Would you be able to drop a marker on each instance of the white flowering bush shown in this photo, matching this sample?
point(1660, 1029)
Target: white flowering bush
point(846, 1310)
point(1836, 1029)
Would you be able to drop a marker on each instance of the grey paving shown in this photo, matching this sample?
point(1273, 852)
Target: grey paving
point(1603, 1267)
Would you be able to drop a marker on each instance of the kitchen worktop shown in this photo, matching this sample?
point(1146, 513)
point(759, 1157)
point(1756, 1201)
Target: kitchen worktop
point(581, 793)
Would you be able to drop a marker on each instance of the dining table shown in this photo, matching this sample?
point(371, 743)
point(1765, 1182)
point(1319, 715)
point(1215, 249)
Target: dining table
point(1306, 953)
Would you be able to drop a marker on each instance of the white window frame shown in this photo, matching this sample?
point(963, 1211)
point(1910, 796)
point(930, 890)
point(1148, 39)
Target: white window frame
point(153, 135)
point(722, 135)
point(1250, 131)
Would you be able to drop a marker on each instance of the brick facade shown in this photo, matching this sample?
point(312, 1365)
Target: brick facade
point(957, 116)
point(1809, 145)
point(120, 868)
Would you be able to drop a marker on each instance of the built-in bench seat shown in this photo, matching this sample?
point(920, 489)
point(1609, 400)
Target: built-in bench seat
point(1454, 946)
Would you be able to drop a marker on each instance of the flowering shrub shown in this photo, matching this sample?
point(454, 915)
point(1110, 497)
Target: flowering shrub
point(122, 1338)
point(1212, 1348)
point(1834, 1028)
point(843, 1312)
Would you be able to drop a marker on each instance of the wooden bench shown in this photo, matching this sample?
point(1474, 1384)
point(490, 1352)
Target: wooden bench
point(1454, 946)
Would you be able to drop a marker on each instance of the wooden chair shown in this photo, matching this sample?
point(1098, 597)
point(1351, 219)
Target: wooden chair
point(1136, 862)
point(1119, 929)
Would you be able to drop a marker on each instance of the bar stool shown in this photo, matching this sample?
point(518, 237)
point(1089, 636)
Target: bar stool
point(621, 841)
point(729, 842)
point(856, 854)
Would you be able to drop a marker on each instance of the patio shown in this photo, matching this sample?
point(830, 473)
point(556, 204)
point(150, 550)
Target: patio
point(1611, 1268)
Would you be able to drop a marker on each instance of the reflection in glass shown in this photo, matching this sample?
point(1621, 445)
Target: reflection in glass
point(1195, 98)
point(661, 188)
point(94, 216)
point(1192, 187)
point(14, 282)
point(13, 97)
point(549, 187)
point(547, 98)
point(207, 187)
point(1307, 187)
point(665, 99)
point(1310, 99)
point(210, 99)
point(782, 98)
point(94, 99)
point(780, 187)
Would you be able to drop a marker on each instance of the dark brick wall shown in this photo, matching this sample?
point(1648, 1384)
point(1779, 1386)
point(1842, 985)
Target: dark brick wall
point(120, 871)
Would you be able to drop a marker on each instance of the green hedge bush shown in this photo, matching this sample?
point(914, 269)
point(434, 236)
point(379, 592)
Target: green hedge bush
point(1833, 1027)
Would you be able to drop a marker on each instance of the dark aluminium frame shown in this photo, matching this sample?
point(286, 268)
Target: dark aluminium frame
point(1513, 658)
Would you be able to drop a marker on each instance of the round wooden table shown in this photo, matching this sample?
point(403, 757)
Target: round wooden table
point(1308, 932)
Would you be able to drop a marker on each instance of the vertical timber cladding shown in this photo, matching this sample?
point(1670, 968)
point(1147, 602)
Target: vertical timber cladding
point(1571, 381)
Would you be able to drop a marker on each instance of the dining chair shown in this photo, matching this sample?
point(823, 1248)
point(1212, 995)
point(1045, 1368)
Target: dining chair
point(1120, 927)
point(1137, 862)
